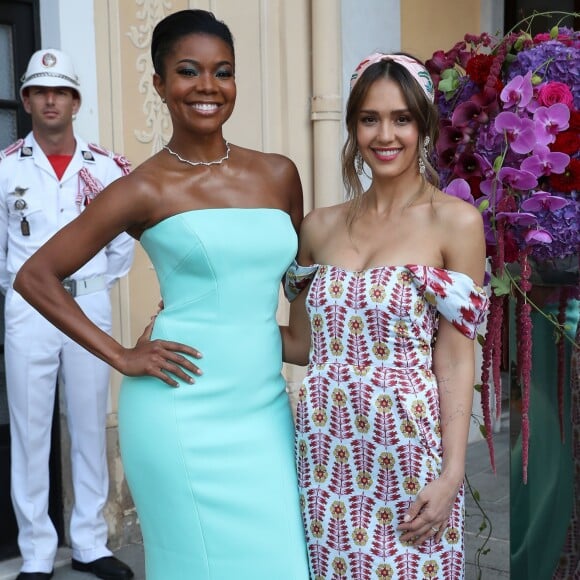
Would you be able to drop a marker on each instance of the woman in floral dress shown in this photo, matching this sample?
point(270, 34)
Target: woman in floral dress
point(386, 326)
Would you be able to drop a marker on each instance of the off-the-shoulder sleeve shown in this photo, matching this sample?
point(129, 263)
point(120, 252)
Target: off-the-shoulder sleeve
point(297, 277)
point(455, 295)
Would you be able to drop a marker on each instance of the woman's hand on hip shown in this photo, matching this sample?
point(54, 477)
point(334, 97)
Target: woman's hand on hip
point(163, 359)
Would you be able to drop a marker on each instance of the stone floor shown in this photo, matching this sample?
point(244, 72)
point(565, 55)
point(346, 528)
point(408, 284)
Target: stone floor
point(493, 493)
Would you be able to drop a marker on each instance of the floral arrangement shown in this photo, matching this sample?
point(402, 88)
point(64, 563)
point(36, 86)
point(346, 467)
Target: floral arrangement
point(510, 145)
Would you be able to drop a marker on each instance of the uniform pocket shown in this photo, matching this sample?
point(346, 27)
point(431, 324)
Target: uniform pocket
point(26, 217)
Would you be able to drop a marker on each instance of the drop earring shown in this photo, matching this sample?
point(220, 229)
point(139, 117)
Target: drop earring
point(422, 166)
point(358, 163)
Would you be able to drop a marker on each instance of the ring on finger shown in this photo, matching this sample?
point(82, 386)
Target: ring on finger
point(434, 529)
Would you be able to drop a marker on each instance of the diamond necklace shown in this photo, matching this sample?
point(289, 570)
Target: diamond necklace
point(196, 163)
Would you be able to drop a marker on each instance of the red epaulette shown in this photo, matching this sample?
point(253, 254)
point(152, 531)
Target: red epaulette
point(11, 149)
point(120, 160)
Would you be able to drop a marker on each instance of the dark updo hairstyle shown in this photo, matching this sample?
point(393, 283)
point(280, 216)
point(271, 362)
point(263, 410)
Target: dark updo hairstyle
point(183, 23)
point(421, 108)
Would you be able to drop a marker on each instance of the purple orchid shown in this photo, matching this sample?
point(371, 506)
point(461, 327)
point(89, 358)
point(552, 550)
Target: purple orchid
point(520, 132)
point(517, 218)
point(518, 92)
point(545, 162)
point(550, 121)
point(538, 236)
point(460, 188)
point(542, 200)
point(517, 178)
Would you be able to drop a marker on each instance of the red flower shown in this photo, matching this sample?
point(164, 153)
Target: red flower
point(567, 142)
point(511, 249)
point(478, 68)
point(574, 121)
point(569, 180)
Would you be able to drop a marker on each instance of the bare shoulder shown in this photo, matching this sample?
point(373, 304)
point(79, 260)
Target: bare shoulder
point(325, 218)
point(463, 240)
point(455, 215)
point(317, 226)
point(272, 165)
point(137, 193)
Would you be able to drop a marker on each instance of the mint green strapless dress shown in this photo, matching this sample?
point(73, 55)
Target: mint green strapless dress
point(210, 465)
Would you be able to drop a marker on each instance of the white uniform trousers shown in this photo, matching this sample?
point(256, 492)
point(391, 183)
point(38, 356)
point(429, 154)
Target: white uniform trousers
point(37, 355)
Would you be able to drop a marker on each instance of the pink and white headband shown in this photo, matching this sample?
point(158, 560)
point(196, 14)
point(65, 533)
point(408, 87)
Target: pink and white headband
point(417, 71)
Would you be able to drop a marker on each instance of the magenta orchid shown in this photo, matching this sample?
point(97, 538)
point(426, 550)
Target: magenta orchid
point(545, 162)
point(518, 92)
point(550, 121)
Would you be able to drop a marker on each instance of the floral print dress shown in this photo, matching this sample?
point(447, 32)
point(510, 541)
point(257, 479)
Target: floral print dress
point(367, 435)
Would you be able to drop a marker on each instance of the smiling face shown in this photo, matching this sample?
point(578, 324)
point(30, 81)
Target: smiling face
point(386, 132)
point(198, 83)
point(51, 108)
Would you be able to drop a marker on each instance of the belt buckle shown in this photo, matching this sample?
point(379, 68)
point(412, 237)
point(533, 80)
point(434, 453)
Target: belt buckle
point(70, 286)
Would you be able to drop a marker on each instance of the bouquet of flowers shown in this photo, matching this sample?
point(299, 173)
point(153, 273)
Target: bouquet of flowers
point(510, 145)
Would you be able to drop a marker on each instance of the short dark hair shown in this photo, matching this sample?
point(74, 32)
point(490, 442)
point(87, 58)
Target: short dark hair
point(183, 23)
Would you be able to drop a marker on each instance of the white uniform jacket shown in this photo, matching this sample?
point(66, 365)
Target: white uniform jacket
point(34, 202)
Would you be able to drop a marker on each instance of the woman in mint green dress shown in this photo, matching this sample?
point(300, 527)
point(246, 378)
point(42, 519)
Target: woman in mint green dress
point(210, 464)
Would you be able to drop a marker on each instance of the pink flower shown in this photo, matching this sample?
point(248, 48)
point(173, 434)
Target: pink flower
point(517, 178)
point(520, 133)
point(542, 200)
point(550, 121)
point(460, 188)
point(555, 92)
point(518, 92)
point(545, 162)
point(538, 236)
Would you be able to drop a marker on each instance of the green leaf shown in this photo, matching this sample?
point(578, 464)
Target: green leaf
point(519, 43)
point(483, 431)
point(476, 495)
point(501, 286)
point(448, 87)
point(554, 32)
point(477, 388)
point(486, 551)
point(449, 82)
point(480, 339)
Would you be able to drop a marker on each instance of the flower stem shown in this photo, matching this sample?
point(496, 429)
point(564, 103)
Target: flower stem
point(549, 14)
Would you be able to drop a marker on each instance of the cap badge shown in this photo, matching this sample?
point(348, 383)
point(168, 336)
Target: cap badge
point(49, 60)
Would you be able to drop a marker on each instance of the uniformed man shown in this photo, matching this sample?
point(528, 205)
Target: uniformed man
point(46, 179)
